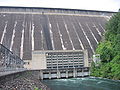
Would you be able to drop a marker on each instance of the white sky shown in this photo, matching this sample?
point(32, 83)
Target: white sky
point(105, 5)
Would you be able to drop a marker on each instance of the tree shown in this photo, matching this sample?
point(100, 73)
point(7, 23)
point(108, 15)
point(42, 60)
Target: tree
point(109, 51)
point(116, 67)
point(105, 51)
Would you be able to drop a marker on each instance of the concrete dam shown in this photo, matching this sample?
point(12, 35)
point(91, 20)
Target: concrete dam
point(52, 40)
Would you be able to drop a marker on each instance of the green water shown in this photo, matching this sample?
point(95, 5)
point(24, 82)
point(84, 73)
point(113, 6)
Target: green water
point(83, 84)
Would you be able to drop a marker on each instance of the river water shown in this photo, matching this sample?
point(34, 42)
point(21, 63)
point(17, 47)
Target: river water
point(89, 83)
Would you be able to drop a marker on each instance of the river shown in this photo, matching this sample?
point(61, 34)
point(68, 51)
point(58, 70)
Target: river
point(89, 83)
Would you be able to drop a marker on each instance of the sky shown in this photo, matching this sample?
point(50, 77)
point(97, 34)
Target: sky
point(104, 5)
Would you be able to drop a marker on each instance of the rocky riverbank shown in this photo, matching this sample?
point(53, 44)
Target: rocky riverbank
point(26, 81)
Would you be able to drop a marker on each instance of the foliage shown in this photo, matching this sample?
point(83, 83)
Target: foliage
point(109, 51)
point(35, 88)
point(113, 26)
point(116, 67)
point(105, 51)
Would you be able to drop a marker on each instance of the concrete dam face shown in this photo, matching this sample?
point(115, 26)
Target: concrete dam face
point(23, 30)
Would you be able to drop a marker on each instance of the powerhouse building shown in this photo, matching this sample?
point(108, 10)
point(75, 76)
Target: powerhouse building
point(58, 59)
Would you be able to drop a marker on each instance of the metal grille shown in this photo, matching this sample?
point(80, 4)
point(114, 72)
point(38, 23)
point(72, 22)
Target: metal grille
point(8, 60)
point(56, 60)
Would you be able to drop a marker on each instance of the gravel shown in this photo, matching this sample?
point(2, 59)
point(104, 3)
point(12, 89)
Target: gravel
point(26, 81)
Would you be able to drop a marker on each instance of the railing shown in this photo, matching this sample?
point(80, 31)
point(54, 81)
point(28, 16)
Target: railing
point(9, 61)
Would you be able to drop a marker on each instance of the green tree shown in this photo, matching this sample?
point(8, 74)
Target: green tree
point(109, 51)
point(113, 26)
point(116, 67)
point(105, 51)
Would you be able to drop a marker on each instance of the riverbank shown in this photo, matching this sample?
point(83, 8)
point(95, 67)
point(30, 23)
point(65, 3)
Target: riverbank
point(27, 81)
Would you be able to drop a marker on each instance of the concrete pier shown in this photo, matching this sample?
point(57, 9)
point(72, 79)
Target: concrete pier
point(49, 75)
point(66, 73)
point(63, 73)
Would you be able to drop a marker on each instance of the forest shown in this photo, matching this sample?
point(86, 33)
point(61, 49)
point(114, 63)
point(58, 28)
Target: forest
point(109, 50)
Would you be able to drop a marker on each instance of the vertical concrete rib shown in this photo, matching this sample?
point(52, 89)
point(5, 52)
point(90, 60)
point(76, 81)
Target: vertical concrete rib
point(51, 33)
point(92, 33)
point(97, 30)
point(102, 27)
point(78, 37)
point(107, 18)
point(4, 32)
point(13, 35)
point(22, 40)
point(75, 30)
point(68, 34)
point(44, 47)
point(86, 37)
point(46, 32)
point(30, 35)
point(42, 40)
point(61, 37)
point(32, 32)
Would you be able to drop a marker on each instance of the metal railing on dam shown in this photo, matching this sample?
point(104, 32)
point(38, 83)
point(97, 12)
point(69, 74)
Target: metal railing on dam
point(9, 62)
point(62, 73)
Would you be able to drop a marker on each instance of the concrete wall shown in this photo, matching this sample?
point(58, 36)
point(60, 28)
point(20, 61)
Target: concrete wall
point(86, 62)
point(27, 64)
point(38, 61)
